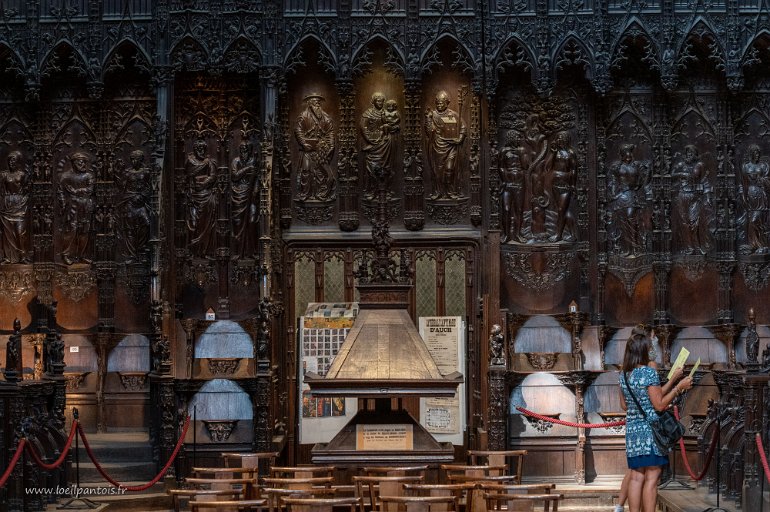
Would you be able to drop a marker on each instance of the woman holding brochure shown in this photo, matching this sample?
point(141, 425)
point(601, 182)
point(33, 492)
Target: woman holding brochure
point(644, 457)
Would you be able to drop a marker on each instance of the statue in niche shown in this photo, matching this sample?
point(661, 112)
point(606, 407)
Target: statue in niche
point(13, 362)
point(561, 167)
point(496, 345)
point(513, 178)
point(754, 190)
point(202, 199)
point(77, 187)
point(15, 182)
point(379, 124)
point(243, 176)
point(692, 204)
point(446, 133)
point(134, 207)
point(315, 134)
point(629, 191)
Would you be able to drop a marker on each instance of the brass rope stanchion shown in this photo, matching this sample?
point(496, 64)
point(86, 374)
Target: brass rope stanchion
point(77, 503)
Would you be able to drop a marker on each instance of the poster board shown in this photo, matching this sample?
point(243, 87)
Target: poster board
point(445, 338)
point(321, 333)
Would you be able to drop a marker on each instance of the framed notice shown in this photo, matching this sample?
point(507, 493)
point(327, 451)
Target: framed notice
point(384, 437)
point(322, 331)
point(445, 338)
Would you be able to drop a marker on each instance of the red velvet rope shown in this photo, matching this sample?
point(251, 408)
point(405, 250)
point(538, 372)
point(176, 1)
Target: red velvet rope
point(709, 455)
point(65, 450)
point(149, 484)
point(12, 464)
point(762, 457)
point(570, 423)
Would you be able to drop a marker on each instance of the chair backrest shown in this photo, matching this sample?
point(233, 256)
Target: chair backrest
point(418, 503)
point(461, 492)
point(275, 495)
point(509, 502)
point(370, 488)
point(499, 457)
point(496, 488)
point(463, 479)
point(299, 483)
point(394, 470)
point(301, 471)
point(320, 504)
point(262, 460)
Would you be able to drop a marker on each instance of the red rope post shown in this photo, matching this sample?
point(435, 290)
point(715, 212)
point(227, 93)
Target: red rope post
point(709, 455)
point(762, 457)
point(12, 464)
point(135, 488)
point(570, 423)
point(65, 450)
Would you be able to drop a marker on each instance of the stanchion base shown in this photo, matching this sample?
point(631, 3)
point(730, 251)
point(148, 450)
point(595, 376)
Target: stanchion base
point(675, 485)
point(85, 503)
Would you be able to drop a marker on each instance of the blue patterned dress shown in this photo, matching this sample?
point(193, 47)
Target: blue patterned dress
point(641, 449)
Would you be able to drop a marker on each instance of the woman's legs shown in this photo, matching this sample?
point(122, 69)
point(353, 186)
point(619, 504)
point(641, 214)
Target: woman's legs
point(635, 485)
point(650, 490)
point(624, 488)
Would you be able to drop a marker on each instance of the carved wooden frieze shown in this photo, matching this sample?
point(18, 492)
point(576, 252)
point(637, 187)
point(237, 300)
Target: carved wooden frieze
point(14, 285)
point(76, 283)
point(538, 270)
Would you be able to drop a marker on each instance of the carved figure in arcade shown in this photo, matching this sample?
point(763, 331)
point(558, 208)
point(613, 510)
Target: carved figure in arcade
point(15, 182)
point(13, 362)
point(243, 176)
point(561, 166)
point(379, 125)
point(496, 345)
point(629, 192)
point(446, 134)
point(134, 207)
point(533, 159)
point(77, 186)
point(513, 177)
point(692, 204)
point(315, 134)
point(202, 199)
point(754, 190)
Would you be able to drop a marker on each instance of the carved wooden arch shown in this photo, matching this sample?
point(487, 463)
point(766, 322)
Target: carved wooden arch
point(462, 56)
point(118, 50)
point(584, 59)
point(197, 55)
point(57, 48)
point(294, 57)
point(750, 55)
point(249, 52)
point(394, 57)
point(524, 58)
point(634, 30)
point(16, 63)
point(91, 140)
point(701, 31)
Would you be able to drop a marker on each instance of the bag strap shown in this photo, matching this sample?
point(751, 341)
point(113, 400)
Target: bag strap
point(633, 395)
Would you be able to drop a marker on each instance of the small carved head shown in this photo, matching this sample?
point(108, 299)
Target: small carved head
point(690, 152)
point(627, 152)
point(754, 153)
point(199, 147)
point(14, 160)
point(378, 100)
point(442, 101)
point(137, 158)
point(245, 149)
point(16, 325)
point(562, 140)
point(391, 105)
point(79, 161)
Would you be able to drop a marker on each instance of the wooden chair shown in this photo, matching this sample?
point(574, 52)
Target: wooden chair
point(418, 503)
point(244, 472)
point(499, 457)
point(369, 488)
point(301, 471)
point(298, 483)
point(178, 494)
point(461, 492)
point(320, 504)
point(510, 502)
point(249, 484)
point(466, 479)
point(495, 488)
point(246, 505)
point(395, 470)
point(480, 472)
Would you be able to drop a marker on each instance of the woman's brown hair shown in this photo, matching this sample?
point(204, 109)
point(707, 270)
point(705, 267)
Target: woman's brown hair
point(637, 349)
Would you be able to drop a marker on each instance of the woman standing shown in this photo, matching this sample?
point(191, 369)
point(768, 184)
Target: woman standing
point(644, 457)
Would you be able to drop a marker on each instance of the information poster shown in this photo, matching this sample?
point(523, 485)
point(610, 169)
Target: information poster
point(445, 338)
point(322, 332)
point(384, 437)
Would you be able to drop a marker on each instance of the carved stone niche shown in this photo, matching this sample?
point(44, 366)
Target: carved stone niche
point(539, 268)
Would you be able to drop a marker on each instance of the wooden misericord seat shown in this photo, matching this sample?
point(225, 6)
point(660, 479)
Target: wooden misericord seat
point(499, 458)
point(369, 488)
point(320, 504)
point(522, 502)
point(418, 504)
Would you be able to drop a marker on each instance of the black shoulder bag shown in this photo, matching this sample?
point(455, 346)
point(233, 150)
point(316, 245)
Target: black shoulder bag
point(666, 430)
